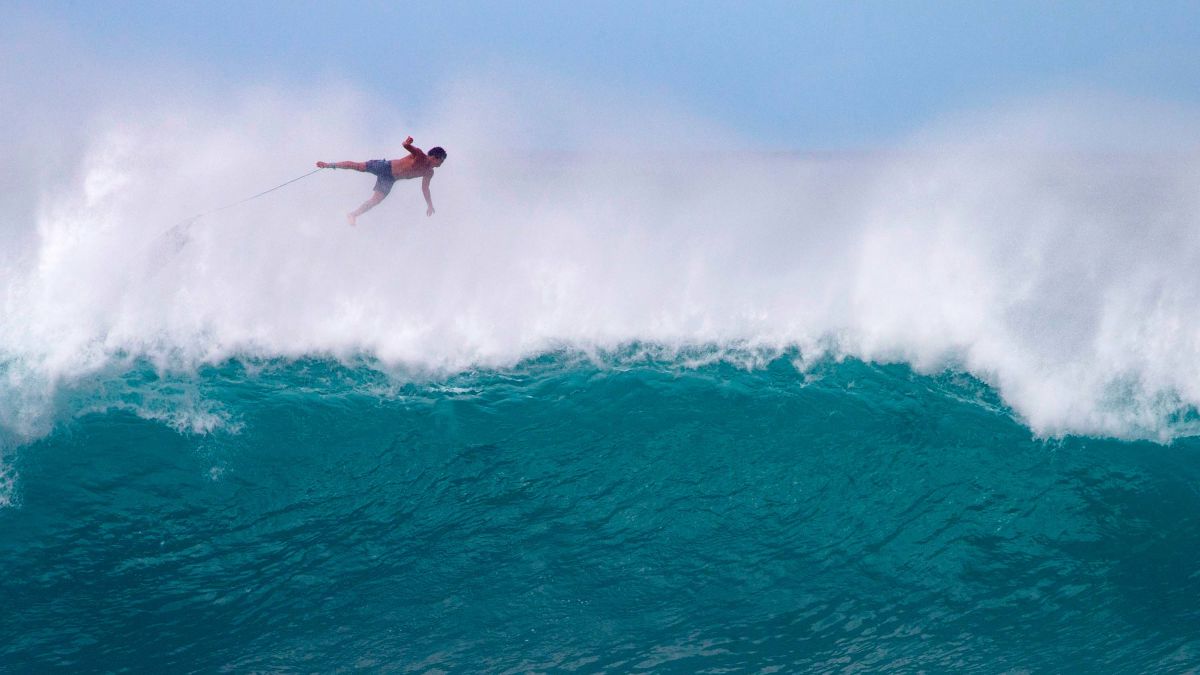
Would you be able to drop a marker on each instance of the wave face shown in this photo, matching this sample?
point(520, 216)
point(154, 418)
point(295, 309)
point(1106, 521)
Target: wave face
point(635, 510)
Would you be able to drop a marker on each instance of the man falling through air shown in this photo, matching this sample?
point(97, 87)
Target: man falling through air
point(388, 172)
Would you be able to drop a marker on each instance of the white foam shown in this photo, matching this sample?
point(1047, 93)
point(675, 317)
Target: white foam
point(8, 481)
point(1062, 273)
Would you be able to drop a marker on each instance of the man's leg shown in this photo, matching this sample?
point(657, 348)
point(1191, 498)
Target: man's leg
point(357, 166)
point(376, 197)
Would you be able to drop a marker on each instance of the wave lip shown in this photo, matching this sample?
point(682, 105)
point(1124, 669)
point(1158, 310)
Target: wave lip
point(195, 397)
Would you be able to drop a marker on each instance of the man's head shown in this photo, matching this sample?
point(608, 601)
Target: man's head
point(438, 155)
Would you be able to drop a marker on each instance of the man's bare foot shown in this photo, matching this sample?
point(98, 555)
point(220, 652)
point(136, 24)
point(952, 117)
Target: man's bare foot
point(351, 218)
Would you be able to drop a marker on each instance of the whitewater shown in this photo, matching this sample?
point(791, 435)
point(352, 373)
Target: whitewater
point(1047, 250)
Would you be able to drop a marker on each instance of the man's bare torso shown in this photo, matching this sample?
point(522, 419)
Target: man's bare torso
point(411, 166)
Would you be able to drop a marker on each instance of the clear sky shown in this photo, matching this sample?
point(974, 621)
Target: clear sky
point(827, 74)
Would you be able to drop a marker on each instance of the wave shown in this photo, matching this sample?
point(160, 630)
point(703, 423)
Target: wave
point(1063, 276)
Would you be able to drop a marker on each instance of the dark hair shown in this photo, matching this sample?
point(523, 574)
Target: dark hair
point(438, 152)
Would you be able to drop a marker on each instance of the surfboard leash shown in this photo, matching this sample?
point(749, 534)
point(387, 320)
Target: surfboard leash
point(243, 201)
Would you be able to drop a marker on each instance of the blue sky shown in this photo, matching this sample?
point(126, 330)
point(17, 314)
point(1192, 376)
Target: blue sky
point(807, 75)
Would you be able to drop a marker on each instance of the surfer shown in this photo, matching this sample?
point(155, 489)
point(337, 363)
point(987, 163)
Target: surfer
point(387, 172)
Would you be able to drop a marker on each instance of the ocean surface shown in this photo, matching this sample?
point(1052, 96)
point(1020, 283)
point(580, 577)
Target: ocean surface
point(638, 510)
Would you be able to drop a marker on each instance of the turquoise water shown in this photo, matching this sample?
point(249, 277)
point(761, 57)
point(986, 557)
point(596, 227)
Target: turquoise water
point(631, 513)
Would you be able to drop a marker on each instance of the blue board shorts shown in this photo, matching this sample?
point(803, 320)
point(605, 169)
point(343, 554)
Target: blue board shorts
point(382, 168)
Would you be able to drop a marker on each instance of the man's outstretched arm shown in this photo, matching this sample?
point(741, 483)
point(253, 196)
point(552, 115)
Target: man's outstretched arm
point(412, 149)
point(425, 191)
